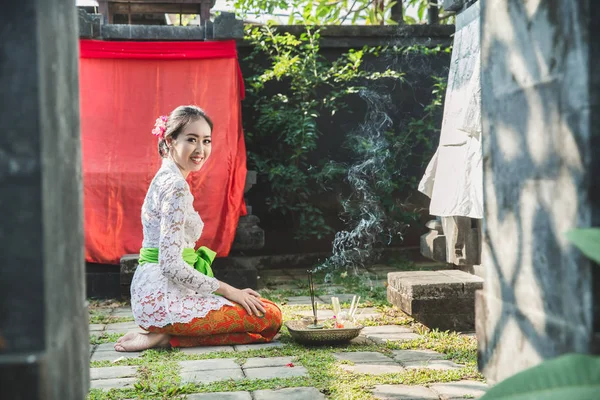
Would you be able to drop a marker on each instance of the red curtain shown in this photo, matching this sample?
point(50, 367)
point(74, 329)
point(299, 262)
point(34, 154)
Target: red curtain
point(124, 87)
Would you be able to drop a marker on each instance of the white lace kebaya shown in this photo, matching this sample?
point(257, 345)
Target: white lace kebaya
point(171, 291)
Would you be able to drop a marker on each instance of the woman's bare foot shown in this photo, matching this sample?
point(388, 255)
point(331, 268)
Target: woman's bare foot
point(143, 341)
point(128, 336)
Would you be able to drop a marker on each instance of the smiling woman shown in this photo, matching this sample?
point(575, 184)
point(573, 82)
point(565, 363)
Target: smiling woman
point(174, 295)
point(186, 137)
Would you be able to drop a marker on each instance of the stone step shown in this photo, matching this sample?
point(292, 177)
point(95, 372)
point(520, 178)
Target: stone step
point(443, 299)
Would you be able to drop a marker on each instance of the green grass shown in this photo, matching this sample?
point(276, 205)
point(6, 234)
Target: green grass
point(102, 338)
point(158, 375)
point(99, 318)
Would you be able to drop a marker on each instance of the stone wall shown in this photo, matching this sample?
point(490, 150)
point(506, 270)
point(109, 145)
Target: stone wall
point(541, 161)
point(44, 342)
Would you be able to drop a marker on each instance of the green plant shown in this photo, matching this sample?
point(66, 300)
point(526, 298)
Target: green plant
point(588, 241)
point(572, 376)
point(286, 126)
point(336, 12)
point(286, 129)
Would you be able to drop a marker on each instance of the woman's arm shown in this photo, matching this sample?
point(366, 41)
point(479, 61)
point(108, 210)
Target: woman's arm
point(171, 243)
point(170, 260)
point(247, 298)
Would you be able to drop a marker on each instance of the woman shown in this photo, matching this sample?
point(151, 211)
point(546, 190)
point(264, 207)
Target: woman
point(173, 294)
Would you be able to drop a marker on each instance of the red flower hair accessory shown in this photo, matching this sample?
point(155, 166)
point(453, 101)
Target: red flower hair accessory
point(160, 127)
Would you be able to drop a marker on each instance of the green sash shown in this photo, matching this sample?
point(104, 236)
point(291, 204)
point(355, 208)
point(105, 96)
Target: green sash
point(200, 259)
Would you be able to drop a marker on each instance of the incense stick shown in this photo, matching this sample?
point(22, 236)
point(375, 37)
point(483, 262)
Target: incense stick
point(311, 288)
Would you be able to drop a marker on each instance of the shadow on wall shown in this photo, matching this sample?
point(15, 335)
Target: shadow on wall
point(537, 182)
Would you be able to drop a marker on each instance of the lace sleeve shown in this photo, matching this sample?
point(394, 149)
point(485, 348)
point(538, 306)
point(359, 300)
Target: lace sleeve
point(171, 244)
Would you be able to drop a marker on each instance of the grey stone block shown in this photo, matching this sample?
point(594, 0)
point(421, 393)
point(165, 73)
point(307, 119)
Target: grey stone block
point(275, 372)
point(205, 350)
point(382, 334)
point(259, 362)
point(106, 347)
point(416, 355)
point(208, 365)
point(433, 246)
point(434, 284)
point(438, 299)
point(123, 328)
point(151, 32)
point(362, 357)
point(403, 392)
point(118, 383)
point(442, 365)
point(374, 368)
point(236, 271)
point(96, 328)
point(106, 351)
point(258, 346)
point(129, 263)
point(122, 312)
point(299, 393)
point(220, 396)
point(209, 376)
point(89, 25)
point(452, 5)
point(248, 235)
point(113, 372)
point(459, 390)
point(226, 26)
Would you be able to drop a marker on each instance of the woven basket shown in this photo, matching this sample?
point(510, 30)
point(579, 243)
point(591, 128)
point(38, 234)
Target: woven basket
point(302, 334)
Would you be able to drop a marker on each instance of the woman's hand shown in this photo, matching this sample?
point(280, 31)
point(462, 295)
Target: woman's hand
point(247, 298)
point(250, 300)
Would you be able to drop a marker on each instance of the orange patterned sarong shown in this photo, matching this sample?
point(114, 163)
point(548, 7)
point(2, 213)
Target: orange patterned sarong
point(226, 326)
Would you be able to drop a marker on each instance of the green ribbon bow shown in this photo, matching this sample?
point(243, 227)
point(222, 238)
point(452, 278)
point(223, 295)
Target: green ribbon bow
point(200, 259)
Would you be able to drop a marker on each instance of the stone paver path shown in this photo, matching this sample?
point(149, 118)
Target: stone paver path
point(107, 352)
point(437, 391)
point(122, 328)
point(416, 355)
point(432, 364)
point(459, 390)
point(208, 371)
point(385, 333)
point(220, 396)
point(272, 367)
point(112, 377)
point(374, 363)
point(404, 392)
point(190, 351)
point(227, 368)
point(301, 393)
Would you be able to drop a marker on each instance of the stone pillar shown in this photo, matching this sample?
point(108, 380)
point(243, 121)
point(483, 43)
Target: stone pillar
point(44, 342)
point(541, 134)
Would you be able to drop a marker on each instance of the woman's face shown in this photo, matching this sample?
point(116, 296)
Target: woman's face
point(192, 147)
